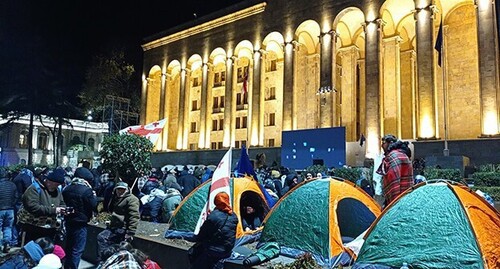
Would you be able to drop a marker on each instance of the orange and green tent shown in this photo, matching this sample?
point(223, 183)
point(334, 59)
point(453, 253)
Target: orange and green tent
point(319, 217)
point(434, 225)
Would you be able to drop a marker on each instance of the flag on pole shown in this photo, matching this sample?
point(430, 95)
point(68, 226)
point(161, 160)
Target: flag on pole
point(362, 140)
point(151, 131)
point(245, 167)
point(220, 183)
point(439, 43)
point(244, 89)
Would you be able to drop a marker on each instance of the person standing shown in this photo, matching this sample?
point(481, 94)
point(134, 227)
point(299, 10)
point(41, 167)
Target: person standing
point(396, 168)
point(8, 199)
point(124, 218)
point(217, 234)
point(80, 197)
point(42, 203)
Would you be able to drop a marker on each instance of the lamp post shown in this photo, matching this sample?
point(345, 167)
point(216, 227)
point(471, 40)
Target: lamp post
point(89, 118)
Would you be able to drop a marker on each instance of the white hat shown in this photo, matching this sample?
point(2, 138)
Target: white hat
point(49, 261)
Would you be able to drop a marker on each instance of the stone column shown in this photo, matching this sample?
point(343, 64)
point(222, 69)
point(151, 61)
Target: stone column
point(254, 120)
point(391, 102)
point(34, 140)
point(326, 86)
point(228, 104)
point(208, 114)
point(426, 72)
point(203, 109)
point(289, 118)
point(144, 98)
point(187, 101)
point(182, 98)
point(349, 57)
point(372, 67)
point(164, 108)
point(334, 69)
point(408, 94)
point(487, 37)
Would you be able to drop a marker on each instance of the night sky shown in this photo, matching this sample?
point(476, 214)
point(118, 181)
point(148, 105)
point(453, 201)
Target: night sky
point(46, 46)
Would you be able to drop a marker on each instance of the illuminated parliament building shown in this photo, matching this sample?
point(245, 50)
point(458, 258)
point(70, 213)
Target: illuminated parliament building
point(370, 66)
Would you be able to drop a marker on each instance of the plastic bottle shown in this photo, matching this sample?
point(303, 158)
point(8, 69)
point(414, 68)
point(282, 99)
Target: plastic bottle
point(405, 266)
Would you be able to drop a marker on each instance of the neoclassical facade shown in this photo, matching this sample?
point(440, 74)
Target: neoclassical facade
point(370, 66)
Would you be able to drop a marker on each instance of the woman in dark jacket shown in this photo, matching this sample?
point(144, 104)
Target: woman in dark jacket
point(217, 234)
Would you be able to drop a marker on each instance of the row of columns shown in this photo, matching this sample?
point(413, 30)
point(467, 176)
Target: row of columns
point(426, 115)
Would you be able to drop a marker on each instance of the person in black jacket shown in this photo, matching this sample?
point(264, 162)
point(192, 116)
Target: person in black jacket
point(217, 234)
point(79, 197)
point(8, 199)
point(188, 182)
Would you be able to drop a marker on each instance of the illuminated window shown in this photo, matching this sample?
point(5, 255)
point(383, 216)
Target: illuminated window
point(242, 73)
point(196, 82)
point(271, 93)
point(23, 139)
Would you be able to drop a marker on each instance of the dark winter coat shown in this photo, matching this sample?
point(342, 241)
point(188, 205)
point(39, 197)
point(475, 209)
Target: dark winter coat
point(125, 213)
point(39, 205)
point(8, 194)
point(22, 181)
point(218, 233)
point(188, 183)
point(82, 199)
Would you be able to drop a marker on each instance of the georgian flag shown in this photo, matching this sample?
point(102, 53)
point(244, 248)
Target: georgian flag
point(151, 131)
point(220, 183)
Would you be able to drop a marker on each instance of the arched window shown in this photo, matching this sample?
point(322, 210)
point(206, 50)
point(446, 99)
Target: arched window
point(91, 143)
point(76, 140)
point(43, 141)
point(23, 139)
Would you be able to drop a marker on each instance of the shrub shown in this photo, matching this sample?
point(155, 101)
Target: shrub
point(490, 168)
point(488, 179)
point(449, 174)
point(306, 261)
point(314, 169)
point(494, 192)
point(351, 174)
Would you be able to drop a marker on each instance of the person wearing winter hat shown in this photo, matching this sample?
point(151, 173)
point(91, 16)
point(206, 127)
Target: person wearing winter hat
point(124, 207)
point(42, 204)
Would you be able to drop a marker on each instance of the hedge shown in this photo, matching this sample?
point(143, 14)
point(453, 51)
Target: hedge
point(449, 174)
point(494, 192)
point(488, 179)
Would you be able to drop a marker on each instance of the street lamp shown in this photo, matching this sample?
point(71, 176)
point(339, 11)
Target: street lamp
point(89, 118)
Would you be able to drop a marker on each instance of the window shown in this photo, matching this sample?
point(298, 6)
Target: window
point(91, 143)
point(43, 141)
point(270, 142)
point(221, 124)
point(271, 65)
point(237, 144)
point(214, 145)
point(271, 93)
point(219, 78)
point(216, 102)
point(193, 146)
point(23, 139)
point(219, 145)
point(76, 140)
point(221, 103)
point(193, 127)
point(238, 126)
point(238, 99)
point(245, 98)
point(196, 82)
point(272, 119)
point(244, 122)
point(242, 73)
point(194, 105)
point(214, 125)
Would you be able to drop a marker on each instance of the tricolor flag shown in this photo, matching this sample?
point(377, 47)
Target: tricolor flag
point(151, 131)
point(220, 183)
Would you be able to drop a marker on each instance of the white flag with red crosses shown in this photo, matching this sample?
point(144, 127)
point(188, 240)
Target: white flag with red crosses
point(151, 131)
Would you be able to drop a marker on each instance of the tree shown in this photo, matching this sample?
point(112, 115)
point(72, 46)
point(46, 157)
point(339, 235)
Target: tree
point(128, 155)
point(109, 75)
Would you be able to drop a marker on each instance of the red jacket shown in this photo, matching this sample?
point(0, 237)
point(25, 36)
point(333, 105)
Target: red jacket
point(397, 170)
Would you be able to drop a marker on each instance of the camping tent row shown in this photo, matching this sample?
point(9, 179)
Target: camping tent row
point(432, 225)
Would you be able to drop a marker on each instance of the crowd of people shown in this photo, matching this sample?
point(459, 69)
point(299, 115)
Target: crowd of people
point(46, 211)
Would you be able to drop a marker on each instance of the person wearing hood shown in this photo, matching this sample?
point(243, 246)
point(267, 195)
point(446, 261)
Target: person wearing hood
point(43, 205)
point(28, 256)
point(171, 182)
point(187, 181)
point(79, 196)
point(124, 218)
point(217, 234)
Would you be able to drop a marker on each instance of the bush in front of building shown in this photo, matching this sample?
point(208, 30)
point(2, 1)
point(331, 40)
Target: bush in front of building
point(448, 174)
point(351, 174)
point(487, 179)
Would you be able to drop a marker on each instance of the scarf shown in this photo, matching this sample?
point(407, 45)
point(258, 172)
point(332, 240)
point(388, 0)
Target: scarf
point(221, 202)
point(34, 250)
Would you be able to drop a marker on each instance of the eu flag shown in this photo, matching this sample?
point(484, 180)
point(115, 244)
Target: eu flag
point(439, 43)
point(245, 167)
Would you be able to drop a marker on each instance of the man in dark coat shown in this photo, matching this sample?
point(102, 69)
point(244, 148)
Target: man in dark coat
point(8, 199)
point(188, 182)
point(81, 198)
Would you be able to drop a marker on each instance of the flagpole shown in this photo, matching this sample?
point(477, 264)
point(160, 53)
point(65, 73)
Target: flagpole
point(446, 151)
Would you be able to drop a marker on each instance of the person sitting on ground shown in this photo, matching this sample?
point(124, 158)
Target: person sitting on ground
point(124, 218)
point(144, 259)
point(170, 203)
point(187, 181)
point(250, 218)
point(217, 234)
point(171, 182)
point(152, 204)
point(27, 256)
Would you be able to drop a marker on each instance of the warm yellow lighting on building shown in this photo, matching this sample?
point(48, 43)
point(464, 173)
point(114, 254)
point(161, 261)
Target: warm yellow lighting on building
point(426, 128)
point(372, 144)
point(490, 124)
